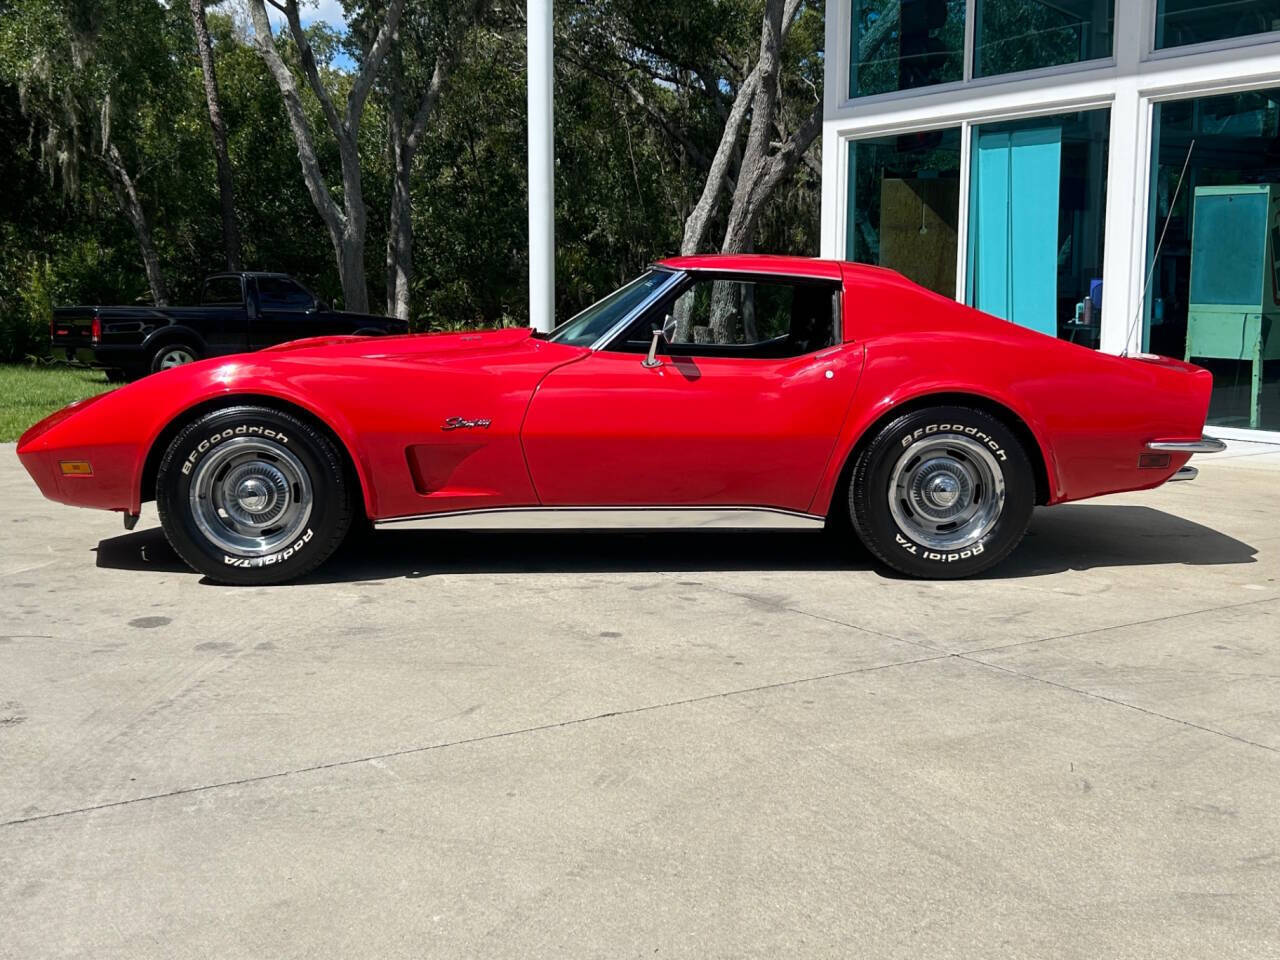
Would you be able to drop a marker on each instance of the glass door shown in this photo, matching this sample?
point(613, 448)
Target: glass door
point(1037, 199)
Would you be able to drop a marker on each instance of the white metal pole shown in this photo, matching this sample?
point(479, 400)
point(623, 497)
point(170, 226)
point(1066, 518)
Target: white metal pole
point(542, 157)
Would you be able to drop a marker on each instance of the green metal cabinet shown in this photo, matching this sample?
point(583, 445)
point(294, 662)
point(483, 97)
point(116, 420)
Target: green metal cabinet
point(1235, 279)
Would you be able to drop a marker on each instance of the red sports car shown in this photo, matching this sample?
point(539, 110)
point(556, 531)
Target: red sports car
point(711, 391)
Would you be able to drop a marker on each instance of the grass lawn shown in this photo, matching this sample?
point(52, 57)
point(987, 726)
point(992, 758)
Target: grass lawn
point(28, 393)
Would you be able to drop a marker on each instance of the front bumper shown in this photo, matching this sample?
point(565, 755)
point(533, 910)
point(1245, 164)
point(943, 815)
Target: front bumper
point(110, 485)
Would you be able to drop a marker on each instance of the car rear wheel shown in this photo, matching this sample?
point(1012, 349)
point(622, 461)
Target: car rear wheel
point(942, 493)
point(251, 495)
point(173, 355)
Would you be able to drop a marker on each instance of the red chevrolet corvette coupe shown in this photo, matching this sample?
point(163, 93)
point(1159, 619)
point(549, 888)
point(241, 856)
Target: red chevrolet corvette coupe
point(709, 392)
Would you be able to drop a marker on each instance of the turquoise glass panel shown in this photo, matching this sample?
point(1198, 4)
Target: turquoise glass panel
point(1228, 248)
point(1013, 262)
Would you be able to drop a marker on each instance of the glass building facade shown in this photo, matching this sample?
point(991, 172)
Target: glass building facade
point(1102, 171)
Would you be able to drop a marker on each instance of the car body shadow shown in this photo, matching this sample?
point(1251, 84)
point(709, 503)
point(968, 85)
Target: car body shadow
point(1082, 536)
point(1069, 537)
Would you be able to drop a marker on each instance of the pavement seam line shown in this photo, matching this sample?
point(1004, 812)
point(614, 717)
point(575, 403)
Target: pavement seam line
point(502, 734)
point(1017, 643)
point(970, 655)
point(1117, 702)
point(1121, 626)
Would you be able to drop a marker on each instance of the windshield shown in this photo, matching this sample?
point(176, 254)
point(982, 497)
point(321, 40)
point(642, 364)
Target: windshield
point(597, 320)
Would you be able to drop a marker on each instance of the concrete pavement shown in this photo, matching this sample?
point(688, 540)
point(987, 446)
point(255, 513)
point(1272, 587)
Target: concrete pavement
point(695, 745)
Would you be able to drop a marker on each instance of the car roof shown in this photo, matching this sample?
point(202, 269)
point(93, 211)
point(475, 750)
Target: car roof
point(771, 263)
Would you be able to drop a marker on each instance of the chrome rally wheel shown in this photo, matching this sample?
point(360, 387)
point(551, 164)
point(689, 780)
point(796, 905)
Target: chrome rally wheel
point(946, 492)
point(942, 492)
point(252, 495)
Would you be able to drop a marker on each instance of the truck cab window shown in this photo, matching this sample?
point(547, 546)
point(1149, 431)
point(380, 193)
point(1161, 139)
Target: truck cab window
point(222, 292)
point(277, 293)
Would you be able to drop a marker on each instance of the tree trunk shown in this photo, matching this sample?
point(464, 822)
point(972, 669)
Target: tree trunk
point(400, 240)
point(399, 220)
point(126, 193)
point(755, 157)
point(350, 250)
point(346, 222)
point(404, 140)
point(763, 167)
point(351, 271)
point(226, 189)
point(695, 228)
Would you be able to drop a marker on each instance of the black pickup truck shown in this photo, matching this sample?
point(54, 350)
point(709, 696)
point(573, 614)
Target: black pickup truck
point(237, 312)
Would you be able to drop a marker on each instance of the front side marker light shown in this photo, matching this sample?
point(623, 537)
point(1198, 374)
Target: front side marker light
point(75, 468)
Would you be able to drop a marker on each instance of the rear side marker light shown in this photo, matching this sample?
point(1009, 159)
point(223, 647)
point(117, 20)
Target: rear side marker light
point(1153, 461)
point(75, 468)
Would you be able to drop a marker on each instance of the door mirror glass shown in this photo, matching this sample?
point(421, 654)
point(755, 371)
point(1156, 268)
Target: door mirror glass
point(669, 329)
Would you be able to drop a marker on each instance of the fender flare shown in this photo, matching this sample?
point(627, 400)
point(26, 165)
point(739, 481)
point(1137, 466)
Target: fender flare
point(170, 333)
point(335, 425)
point(862, 424)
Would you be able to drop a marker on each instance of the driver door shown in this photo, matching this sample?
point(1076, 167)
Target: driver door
point(742, 409)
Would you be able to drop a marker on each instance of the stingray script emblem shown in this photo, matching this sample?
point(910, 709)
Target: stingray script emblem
point(462, 423)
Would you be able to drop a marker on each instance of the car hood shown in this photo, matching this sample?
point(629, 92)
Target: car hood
point(408, 345)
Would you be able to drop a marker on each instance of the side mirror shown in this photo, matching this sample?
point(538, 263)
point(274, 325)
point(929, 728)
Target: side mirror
point(665, 334)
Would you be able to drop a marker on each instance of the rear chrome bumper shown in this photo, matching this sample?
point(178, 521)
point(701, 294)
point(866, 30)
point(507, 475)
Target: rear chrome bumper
point(1203, 445)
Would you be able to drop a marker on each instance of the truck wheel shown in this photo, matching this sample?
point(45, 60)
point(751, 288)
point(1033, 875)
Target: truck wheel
point(173, 355)
point(251, 495)
point(942, 493)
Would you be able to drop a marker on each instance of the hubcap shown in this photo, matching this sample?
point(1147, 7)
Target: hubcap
point(946, 492)
point(175, 357)
point(251, 496)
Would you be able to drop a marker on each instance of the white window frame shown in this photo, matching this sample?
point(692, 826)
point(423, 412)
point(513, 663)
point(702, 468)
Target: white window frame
point(1130, 83)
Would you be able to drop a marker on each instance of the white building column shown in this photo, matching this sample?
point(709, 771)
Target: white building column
point(835, 90)
point(542, 158)
point(1128, 162)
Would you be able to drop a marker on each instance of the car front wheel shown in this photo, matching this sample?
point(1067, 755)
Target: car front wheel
point(942, 493)
point(250, 495)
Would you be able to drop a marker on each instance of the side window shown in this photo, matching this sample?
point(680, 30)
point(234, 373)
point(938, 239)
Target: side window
point(745, 318)
point(222, 292)
point(277, 293)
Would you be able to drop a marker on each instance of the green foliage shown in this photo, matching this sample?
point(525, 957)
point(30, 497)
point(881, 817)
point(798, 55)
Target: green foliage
point(30, 392)
point(625, 182)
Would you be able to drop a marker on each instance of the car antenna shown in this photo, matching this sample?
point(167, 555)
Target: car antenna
point(1128, 334)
